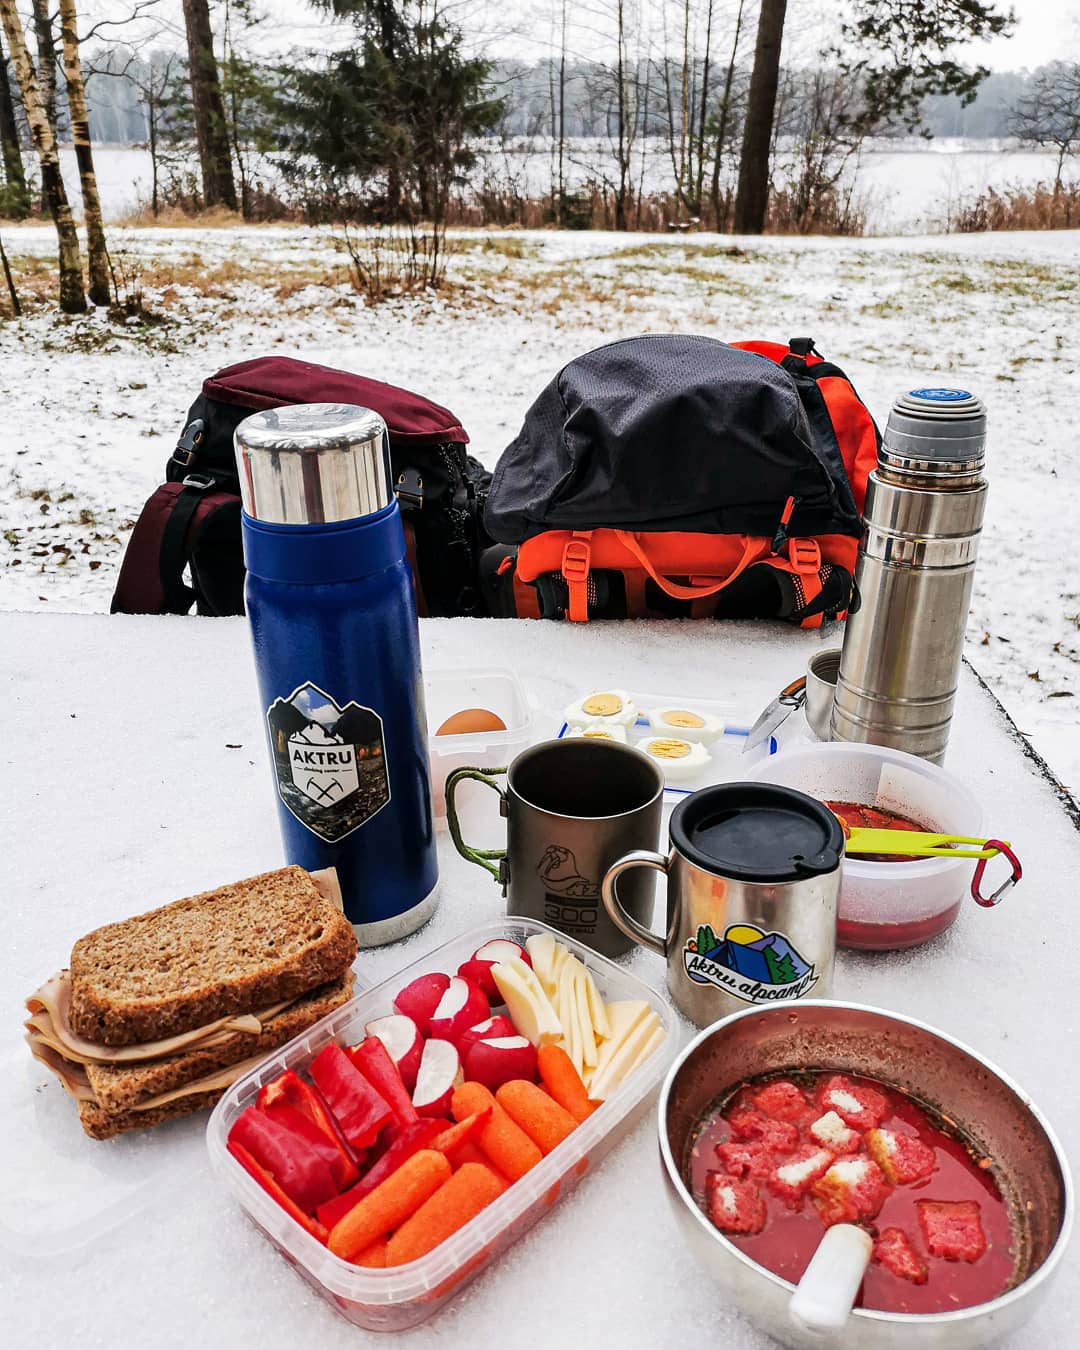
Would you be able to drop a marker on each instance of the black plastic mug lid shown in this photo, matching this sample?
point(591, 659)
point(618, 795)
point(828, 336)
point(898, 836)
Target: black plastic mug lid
point(757, 832)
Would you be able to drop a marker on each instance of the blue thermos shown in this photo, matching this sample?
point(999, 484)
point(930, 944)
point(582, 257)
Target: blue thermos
point(337, 650)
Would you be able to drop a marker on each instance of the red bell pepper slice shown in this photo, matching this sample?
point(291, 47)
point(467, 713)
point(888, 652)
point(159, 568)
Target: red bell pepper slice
point(272, 1189)
point(410, 1140)
point(360, 1109)
point(289, 1089)
point(292, 1150)
point(373, 1060)
point(454, 1136)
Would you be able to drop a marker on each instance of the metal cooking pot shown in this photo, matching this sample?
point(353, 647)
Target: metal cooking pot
point(995, 1113)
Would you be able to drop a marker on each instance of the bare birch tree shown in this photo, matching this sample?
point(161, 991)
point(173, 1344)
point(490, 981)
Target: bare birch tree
point(72, 293)
point(16, 197)
point(96, 251)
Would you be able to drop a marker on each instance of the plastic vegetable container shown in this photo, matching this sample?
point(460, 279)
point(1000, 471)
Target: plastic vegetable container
point(885, 906)
point(404, 1296)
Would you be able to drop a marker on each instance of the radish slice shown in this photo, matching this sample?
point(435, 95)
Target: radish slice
point(403, 1042)
point(420, 998)
point(497, 1061)
point(499, 1025)
point(440, 1073)
point(461, 1007)
point(501, 949)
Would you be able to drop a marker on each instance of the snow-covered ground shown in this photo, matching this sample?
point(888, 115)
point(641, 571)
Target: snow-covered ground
point(92, 409)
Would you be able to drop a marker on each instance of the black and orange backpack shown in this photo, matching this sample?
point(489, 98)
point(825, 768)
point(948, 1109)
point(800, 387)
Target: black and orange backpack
point(678, 476)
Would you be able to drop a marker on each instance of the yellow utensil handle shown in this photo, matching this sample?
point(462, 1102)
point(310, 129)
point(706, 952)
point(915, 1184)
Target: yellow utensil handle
point(917, 844)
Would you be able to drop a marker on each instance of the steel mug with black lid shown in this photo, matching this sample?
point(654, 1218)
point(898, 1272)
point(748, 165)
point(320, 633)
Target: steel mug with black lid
point(753, 877)
point(337, 649)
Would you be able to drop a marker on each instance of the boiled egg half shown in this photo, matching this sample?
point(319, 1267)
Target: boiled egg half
point(603, 707)
point(677, 758)
point(686, 724)
point(598, 732)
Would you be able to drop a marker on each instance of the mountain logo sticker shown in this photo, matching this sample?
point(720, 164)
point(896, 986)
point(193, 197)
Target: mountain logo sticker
point(329, 760)
point(752, 965)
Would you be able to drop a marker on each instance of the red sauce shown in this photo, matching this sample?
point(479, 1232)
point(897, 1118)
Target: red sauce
point(892, 937)
point(790, 1237)
point(857, 816)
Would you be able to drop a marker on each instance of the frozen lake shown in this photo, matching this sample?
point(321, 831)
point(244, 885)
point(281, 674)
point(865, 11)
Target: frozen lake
point(910, 188)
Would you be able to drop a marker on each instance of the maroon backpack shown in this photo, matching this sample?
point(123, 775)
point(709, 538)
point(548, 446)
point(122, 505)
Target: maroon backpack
point(191, 524)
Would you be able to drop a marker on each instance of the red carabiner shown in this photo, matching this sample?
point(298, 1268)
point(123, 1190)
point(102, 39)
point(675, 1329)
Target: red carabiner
point(988, 901)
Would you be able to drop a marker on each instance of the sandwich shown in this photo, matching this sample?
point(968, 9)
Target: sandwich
point(158, 1014)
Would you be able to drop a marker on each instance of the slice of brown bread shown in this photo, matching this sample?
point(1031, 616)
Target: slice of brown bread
point(100, 1124)
point(122, 1087)
point(230, 950)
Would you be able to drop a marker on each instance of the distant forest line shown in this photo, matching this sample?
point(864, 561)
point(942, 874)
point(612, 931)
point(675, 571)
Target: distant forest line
point(118, 117)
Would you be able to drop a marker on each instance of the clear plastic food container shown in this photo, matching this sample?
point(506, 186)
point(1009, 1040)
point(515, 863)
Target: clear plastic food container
point(402, 1297)
point(448, 692)
point(885, 906)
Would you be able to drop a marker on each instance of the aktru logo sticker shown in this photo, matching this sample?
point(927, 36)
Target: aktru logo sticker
point(329, 761)
point(753, 965)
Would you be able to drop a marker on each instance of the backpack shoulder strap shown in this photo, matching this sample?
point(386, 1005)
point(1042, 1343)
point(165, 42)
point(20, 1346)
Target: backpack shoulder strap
point(151, 579)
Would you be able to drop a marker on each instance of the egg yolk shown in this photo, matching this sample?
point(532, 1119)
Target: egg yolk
point(669, 749)
point(681, 718)
point(602, 705)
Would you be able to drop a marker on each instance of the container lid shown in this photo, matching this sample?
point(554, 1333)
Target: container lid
point(943, 429)
point(757, 832)
point(313, 463)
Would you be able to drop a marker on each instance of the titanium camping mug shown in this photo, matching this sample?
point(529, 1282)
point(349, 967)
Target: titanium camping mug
point(572, 807)
point(753, 879)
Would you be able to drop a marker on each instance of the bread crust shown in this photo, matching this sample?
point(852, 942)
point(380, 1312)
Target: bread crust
point(120, 1088)
point(231, 950)
point(99, 1124)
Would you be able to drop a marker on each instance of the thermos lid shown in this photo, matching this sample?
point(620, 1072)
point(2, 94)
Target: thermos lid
point(313, 463)
point(757, 832)
point(941, 429)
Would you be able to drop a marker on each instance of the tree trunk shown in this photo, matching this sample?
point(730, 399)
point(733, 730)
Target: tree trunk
point(211, 131)
point(752, 199)
point(46, 67)
point(721, 131)
point(96, 251)
point(620, 199)
point(72, 294)
point(18, 203)
point(16, 308)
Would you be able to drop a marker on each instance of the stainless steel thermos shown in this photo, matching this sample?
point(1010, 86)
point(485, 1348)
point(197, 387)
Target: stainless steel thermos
point(333, 622)
point(922, 520)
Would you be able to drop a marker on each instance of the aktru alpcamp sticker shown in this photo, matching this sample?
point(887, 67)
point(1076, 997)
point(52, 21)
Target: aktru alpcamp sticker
point(329, 760)
point(752, 965)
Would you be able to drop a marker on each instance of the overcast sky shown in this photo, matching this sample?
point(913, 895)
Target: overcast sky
point(1046, 29)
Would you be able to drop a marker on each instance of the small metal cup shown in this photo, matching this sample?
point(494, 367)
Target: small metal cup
point(572, 807)
point(821, 671)
point(732, 940)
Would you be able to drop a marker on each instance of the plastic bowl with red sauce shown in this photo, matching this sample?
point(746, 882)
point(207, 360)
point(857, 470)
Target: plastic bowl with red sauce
point(783, 1157)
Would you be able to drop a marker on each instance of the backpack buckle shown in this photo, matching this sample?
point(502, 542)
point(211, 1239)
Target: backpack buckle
point(804, 555)
point(202, 482)
point(576, 559)
point(187, 446)
point(576, 564)
point(409, 487)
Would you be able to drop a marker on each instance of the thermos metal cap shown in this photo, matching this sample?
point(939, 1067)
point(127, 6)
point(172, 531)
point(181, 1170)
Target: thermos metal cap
point(313, 463)
point(941, 430)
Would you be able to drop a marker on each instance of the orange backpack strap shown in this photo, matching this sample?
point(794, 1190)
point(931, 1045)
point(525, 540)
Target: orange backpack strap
point(754, 550)
point(576, 565)
point(803, 563)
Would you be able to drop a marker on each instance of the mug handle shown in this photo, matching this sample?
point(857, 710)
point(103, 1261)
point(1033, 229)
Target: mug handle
point(481, 856)
point(626, 923)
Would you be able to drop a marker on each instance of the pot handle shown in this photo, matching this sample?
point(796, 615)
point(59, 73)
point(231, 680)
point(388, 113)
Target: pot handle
point(626, 923)
point(824, 1297)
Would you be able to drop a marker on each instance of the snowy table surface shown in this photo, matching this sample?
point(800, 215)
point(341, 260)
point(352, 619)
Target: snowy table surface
point(135, 772)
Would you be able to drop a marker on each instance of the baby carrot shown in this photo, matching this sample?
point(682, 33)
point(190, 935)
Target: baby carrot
point(374, 1257)
point(563, 1081)
point(455, 1137)
point(470, 1151)
point(389, 1204)
point(505, 1144)
point(543, 1120)
point(451, 1207)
